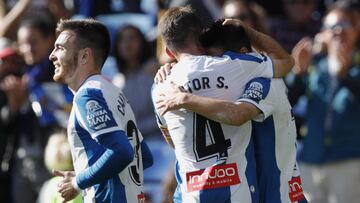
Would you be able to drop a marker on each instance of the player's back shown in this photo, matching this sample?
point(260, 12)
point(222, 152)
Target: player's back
point(213, 158)
point(100, 108)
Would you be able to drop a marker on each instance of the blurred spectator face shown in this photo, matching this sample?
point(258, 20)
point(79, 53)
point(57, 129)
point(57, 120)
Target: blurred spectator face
point(300, 11)
point(10, 61)
point(33, 45)
point(64, 57)
point(340, 27)
point(129, 44)
point(238, 10)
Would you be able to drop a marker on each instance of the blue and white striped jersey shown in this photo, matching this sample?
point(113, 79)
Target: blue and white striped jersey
point(100, 108)
point(274, 136)
point(214, 162)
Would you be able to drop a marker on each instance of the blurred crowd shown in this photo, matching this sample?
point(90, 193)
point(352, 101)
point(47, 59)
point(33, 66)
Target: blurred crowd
point(324, 86)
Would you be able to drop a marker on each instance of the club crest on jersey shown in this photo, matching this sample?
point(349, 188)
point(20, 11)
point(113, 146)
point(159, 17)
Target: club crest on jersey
point(96, 116)
point(213, 177)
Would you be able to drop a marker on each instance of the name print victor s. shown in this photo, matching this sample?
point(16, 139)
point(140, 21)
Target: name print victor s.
point(205, 83)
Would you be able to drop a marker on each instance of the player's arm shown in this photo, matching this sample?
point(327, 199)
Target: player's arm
point(161, 121)
point(282, 60)
point(166, 135)
point(117, 155)
point(146, 155)
point(231, 113)
point(118, 152)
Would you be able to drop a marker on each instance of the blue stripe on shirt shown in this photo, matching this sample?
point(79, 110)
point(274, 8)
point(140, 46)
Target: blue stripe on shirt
point(246, 57)
point(250, 171)
point(268, 172)
point(177, 194)
point(102, 165)
point(117, 155)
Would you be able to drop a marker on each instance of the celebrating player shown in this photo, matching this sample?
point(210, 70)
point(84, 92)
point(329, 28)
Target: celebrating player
point(214, 161)
point(274, 133)
point(107, 148)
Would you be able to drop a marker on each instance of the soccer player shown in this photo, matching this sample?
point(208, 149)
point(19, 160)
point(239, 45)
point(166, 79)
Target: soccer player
point(107, 148)
point(273, 130)
point(213, 159)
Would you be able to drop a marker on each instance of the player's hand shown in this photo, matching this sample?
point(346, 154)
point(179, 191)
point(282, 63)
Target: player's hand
point(172, 99)
point(65, 187)
point(236, 22)
point(163, 72)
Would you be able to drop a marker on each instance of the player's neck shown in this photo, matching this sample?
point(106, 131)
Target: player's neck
point(190, 50)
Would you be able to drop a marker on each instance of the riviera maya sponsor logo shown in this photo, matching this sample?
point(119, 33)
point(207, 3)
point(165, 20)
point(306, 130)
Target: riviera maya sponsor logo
point(254, 91)
point(96, 116)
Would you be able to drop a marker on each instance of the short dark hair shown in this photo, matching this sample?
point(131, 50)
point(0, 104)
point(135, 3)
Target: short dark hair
point(145, 49)
point(179, 26)
point(226, 37)
point(46, 26)
point(89, 33)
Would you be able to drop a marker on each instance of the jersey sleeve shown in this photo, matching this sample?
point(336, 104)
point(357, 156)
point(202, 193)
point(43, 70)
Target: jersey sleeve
point(255, 64)
point(94, 113)
point(260, 93)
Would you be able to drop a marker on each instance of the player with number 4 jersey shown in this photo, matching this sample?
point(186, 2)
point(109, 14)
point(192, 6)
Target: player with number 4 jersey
point(214, 161)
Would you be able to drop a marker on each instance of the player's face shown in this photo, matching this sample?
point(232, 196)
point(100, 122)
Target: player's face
point(64, 57)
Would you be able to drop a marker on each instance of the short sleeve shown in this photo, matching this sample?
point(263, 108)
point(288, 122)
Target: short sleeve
point(259, 93)
point(257, 65)
point(94, 113)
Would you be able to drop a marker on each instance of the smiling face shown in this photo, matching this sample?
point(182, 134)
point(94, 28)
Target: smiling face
point(64, 56)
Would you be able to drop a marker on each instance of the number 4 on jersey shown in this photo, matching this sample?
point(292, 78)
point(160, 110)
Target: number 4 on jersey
point(209, 139)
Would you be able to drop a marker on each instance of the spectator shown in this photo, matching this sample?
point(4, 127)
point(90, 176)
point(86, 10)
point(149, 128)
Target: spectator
point(137, 65)
point(23, 9)
point(12, 98)
point(49, 101)
point(331, 155)
point(247, 11)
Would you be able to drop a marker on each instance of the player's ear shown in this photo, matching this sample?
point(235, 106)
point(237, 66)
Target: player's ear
point(170, 54)
point(84, 55)
point(244, 50)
